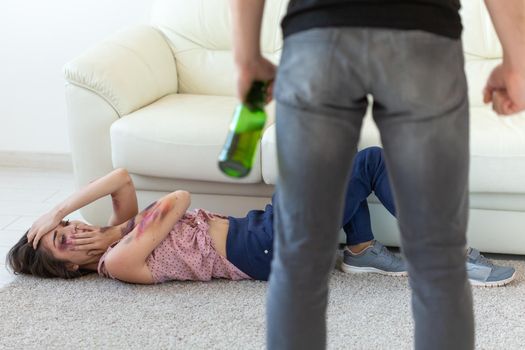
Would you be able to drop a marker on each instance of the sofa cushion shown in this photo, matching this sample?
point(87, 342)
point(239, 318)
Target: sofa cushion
point(479, 37)
point(497, 151)
point(186, 132)
point(200, 33)
point(369, 137)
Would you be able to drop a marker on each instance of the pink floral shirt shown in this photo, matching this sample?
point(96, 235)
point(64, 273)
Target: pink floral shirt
point(187, 253)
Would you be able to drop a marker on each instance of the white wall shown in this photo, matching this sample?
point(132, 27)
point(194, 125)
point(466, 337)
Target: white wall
point(37, 38)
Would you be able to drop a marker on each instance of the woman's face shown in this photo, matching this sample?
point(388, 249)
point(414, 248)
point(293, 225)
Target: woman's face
point(58, 243)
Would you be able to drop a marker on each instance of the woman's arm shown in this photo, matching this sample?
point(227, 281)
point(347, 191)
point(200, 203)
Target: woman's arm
point(124, 201)
point(118, 183)
point(127, 260)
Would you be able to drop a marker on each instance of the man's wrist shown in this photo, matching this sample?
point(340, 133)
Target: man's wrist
point(248, 69)
point(246, 60)
point(514, 63)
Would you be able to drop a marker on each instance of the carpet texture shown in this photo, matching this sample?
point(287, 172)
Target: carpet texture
point(365, 312)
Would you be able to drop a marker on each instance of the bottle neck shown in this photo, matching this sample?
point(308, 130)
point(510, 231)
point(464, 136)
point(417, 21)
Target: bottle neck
point(256, 97)
point(254, 106)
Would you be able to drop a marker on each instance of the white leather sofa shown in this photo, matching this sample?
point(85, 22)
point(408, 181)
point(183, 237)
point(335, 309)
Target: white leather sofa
point(157, 99)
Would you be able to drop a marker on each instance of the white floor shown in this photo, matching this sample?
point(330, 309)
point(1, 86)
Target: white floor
point(25, 194)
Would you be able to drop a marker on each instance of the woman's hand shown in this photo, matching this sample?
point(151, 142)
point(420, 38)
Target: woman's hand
point(43, 225)
point(95, 240)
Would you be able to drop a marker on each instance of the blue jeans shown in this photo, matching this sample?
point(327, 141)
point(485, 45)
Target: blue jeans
point(420, 105)
point(368, 175)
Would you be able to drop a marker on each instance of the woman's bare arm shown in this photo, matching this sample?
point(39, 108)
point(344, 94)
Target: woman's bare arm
point(127, 260)
point(117, 183)
point(124, 201)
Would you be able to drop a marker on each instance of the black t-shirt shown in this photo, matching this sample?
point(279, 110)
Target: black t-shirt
point(435, 16)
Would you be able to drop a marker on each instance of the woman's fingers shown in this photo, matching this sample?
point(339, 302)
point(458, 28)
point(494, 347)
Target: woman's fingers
point(83, 247)
point(87, 234)
point(31, 234)
point(82, 241)
point(36, 239)
point(86, 227)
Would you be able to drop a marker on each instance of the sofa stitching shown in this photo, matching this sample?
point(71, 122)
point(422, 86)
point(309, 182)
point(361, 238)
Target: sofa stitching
point(98, 93)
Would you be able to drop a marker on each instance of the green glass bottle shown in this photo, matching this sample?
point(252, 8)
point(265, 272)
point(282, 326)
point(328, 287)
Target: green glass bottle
point(236, 157)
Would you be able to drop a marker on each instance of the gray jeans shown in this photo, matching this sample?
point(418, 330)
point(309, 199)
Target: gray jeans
point(421, 108)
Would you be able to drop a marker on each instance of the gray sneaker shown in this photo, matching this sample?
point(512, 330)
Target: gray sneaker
point(481, 272)
point(374, 259)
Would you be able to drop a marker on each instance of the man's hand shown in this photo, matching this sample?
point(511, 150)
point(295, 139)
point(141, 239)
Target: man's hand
point(506, 85)
point(251, 66)
point(506, 90)
point(259, 69)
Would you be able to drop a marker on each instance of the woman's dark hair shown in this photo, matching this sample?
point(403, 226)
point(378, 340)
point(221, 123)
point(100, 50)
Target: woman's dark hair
point(22, 258)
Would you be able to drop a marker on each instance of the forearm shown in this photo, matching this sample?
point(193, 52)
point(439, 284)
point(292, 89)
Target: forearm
point(124, 200)
point(106, 185)
point(159, 218)
point(247, 18)
point(127, 260)
point(508, 17)
point(152, 226)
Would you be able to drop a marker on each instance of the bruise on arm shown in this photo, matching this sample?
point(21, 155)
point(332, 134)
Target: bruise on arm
point(152, 214)
point(128, 228)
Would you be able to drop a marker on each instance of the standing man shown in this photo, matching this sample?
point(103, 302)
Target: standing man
point(408, 56)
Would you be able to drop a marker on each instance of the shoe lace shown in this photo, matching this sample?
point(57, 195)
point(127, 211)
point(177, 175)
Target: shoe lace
point(484, 261)
point(388, 254)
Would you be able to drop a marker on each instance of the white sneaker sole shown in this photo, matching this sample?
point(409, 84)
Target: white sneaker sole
point(355, 269)
point(494, 283)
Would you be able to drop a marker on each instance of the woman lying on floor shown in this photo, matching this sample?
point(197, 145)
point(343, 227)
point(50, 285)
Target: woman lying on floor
point(166, 242)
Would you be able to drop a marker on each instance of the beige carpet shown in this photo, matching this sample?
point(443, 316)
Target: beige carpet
point(365, 312)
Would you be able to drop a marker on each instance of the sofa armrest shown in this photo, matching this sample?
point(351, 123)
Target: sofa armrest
point(129, 70)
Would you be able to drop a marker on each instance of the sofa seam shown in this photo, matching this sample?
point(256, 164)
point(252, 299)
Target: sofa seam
point(498, 156)
point(98, 93)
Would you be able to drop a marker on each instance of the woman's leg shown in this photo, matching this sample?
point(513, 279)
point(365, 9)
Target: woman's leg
point(358, 229)
point(363, 253)
point(368, 175)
